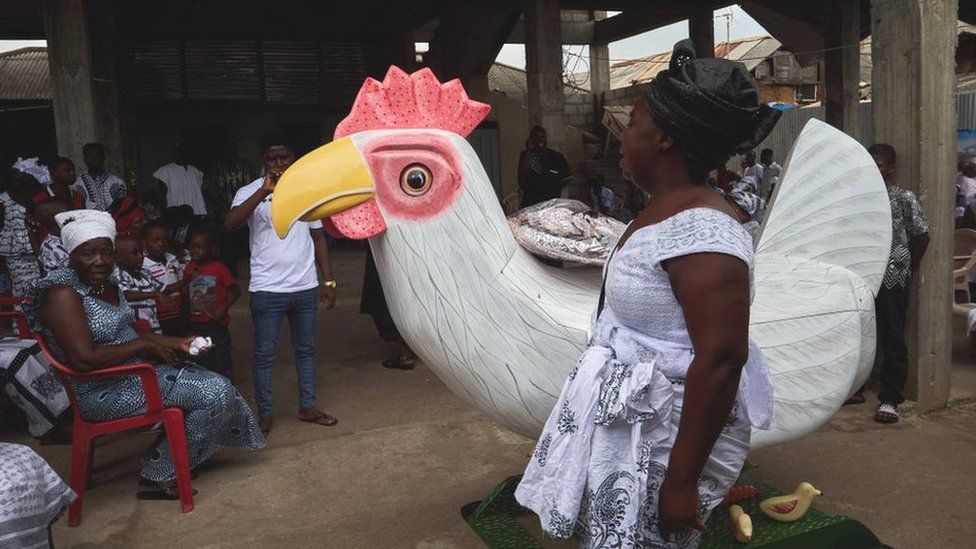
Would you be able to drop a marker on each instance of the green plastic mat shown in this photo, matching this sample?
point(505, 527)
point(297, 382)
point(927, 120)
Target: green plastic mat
point(493, 519)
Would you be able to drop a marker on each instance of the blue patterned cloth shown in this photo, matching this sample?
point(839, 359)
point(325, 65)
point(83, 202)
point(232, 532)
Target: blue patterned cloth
point(216, 415)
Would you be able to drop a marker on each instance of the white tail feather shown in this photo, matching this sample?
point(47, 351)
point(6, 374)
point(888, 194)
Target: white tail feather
point(820, 260)
point(830, 205)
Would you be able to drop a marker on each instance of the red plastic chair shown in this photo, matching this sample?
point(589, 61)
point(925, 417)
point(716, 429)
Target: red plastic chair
point(84, 432)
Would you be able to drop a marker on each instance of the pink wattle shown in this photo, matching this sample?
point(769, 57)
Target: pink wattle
point(358, 223)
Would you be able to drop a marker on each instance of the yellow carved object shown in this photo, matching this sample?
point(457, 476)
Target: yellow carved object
point(741, 524)
point(791, 507)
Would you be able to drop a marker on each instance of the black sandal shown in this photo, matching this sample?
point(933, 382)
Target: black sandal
point(856, 398)
point(161, 493)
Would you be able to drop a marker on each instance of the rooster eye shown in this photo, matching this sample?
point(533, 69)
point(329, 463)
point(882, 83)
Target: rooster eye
point(416, 179)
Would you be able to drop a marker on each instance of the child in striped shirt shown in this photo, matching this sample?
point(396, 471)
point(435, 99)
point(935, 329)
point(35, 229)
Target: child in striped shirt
point(141, 291)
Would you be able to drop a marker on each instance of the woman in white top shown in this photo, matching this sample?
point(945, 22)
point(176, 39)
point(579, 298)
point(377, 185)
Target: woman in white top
point(652, 427)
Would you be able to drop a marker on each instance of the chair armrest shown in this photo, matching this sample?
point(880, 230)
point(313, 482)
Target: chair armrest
point(20, 320)
point(9, 301)
point(146, 373)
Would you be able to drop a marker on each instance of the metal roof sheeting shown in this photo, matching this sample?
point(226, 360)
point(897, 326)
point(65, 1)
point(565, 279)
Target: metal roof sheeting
point(24, 75)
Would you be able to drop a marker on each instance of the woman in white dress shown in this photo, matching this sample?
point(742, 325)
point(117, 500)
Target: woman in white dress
point(653, 426)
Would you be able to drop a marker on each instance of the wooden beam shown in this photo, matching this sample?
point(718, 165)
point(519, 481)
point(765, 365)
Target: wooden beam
point(574, 33)
point(701, 29)
point(913, 87)
point(544, 69)
point(69, 60)
point(468, 40)
point(842, 62)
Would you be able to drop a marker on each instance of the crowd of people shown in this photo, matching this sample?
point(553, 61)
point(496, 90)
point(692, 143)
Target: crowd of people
point(109, 275)
point(113, 277)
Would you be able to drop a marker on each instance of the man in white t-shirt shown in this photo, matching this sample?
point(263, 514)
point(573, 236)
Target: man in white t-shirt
point(182, 183)
point(283, 284)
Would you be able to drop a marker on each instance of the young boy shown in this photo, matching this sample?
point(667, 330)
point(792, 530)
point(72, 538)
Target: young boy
point(909, 238)
point(167, 270)
point(51, 254)
point(140, 290)
point(212, 291)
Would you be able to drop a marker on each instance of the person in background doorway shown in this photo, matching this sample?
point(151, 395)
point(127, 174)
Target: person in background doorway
point(97, 186)
point(602, 199)
point(909, 239)
point(770, 174)
point(542, 172)
point(181, 183)
point(221, 182)
point(63, 179)
point(750, 168)
point(967, 183)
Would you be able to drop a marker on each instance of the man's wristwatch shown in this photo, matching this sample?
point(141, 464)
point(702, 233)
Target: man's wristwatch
point(334, 284)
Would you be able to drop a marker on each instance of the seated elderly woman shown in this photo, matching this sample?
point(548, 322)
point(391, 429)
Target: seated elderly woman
point(83, 316)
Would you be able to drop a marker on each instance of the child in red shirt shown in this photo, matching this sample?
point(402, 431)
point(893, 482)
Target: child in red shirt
point(211, 292)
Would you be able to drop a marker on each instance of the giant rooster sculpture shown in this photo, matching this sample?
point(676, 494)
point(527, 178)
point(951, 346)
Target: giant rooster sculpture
point(503, 330)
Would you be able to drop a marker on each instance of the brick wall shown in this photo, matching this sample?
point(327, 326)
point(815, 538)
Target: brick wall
point(581, 111)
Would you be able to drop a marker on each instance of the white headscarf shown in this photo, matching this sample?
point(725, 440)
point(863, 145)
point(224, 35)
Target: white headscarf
point(33, 168)
point(80, 226)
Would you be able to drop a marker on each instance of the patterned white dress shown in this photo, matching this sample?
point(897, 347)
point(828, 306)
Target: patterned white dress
point(604, 451)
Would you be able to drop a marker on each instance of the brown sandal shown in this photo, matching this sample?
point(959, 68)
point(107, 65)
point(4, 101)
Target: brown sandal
point(321, 419)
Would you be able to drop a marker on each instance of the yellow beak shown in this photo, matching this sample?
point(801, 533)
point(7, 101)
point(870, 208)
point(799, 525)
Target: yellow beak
point(331, 179)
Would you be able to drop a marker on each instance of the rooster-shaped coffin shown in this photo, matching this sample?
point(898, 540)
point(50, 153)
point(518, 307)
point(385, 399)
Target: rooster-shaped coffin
point(503, 331)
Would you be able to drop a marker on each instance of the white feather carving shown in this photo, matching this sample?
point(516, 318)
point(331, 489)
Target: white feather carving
point(503, 331)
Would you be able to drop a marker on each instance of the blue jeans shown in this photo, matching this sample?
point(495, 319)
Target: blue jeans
point(268, 309)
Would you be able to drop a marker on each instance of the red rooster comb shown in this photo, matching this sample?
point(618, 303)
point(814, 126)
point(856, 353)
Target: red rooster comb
point(417, 101)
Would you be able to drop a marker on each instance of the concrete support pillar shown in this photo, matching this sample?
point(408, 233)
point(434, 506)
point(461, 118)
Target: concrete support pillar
point(68, 53)
point(913, 88)
point(544, 69)
point(701, 29)
point(842, 65)
point(467, 41)
point(599, 68)
point(85, 95)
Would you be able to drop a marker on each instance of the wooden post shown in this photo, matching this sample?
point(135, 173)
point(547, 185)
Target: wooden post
point(599, 69)
point(544, 69)
point(842, 65)
point(913, 88)
point(68, 53)
point(86, 106)
point(701, 29)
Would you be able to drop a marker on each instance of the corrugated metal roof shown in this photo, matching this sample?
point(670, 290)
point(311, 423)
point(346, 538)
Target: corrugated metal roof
point(750, 51)
point(512, 81)
point(24, 75)
point(508, 80)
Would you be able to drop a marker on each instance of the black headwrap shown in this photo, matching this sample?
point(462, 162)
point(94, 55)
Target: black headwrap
point(709, 107)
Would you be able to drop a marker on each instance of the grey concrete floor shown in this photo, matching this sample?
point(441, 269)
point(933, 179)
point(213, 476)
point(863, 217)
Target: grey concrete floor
point(407, 454)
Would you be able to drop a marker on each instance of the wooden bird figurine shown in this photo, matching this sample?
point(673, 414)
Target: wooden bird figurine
point(791, 507)
point(741, 524)
point(503, 331)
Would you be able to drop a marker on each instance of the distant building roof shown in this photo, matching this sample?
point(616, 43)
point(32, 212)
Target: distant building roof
point(750, 51)
point(24, 75)
point(513, 83)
